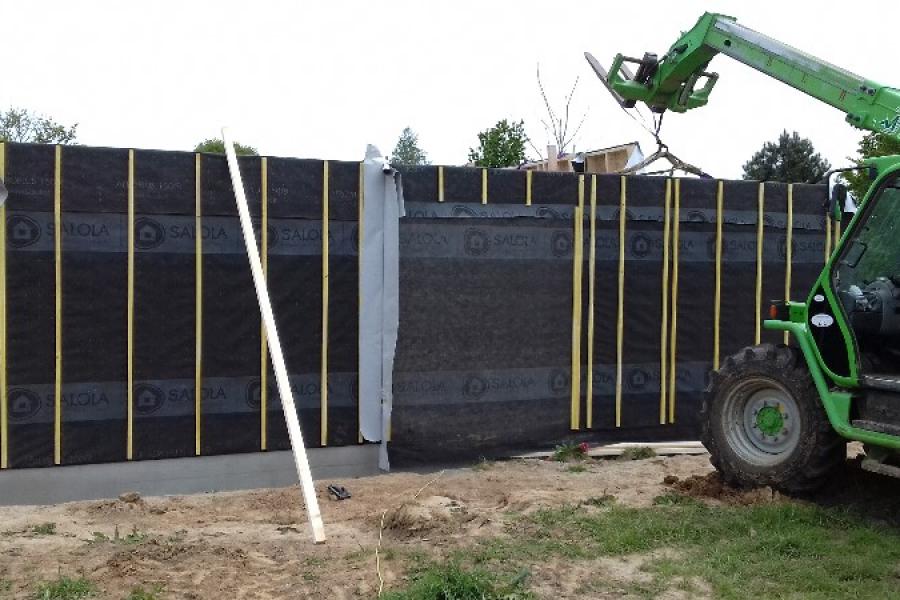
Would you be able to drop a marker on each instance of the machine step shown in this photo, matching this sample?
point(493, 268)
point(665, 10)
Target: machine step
point(874, 466)
point(875, 426)
point(881, 382)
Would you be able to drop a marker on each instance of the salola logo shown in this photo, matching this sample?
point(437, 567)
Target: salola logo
point(641, 244)
point(477, 242)
point(148, 398)
point(475, 387)
point(148, 234)
point(22, 231)
point(561, 243)
point(558, 381)
point(23, 404)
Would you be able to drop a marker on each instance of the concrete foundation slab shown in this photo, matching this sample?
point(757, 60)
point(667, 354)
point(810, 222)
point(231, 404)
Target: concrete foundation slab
point(192, 475)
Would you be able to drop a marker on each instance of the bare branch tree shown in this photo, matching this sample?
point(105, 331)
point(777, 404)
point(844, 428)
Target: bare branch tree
point(558, 128)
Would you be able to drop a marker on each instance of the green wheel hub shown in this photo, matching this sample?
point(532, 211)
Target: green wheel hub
point(761, 420)
point(769, 420)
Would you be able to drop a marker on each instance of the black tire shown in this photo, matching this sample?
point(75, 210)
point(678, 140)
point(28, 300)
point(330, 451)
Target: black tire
point(741, 455)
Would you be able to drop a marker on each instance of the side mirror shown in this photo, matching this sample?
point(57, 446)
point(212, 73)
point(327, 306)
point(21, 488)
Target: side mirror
point(836, 201)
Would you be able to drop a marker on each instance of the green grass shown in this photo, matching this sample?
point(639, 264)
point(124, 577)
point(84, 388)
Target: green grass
point(139, 593)
point(600, 501)
point(568, 451)
point(453, 582)
point(773, 550)
point(639, 453)
point(44, 529)
point(65, 588)
point(576, 468)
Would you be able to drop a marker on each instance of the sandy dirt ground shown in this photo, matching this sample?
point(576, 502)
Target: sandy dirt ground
point(256, 544)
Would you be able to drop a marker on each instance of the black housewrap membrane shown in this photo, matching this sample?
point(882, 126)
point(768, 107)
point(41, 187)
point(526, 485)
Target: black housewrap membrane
point(164, 315)
point(94, 306)
point(484, 354)
point(30, 304)
point(94, 270)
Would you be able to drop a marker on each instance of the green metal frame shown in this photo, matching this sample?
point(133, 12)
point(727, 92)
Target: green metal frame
point(680, 82)
point(867, 104)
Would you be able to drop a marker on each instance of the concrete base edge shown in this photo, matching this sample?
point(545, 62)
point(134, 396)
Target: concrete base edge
point(191, 475)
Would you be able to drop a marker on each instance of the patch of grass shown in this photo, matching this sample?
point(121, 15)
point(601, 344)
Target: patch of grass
point(65, 588)
point(569, 451)
point(483, 465)
point(769, 550)
point(576, 468)
point(139, 593)
point(453, 582)
point(44, 529)
point(599, 501)
point(133, 538)
point(675, 499)
point(638, 453)
point(5, 585)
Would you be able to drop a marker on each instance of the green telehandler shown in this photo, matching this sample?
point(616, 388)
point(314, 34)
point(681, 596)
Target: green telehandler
point(781, 415)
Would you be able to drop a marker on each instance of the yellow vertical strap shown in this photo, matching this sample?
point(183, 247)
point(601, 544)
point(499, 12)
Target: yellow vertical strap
point(528, 176)
point(4, 399)
point(789, 250)
point(827, 238)
point(620, 315)
point(577, 260)
point(440, 185)
point(129, 452)
point(592, 261)
point(359, 257)
point(760, 223)
point(664, 321)
point(673, 336)
point(717, 309)
point(324, 375)
point(57, 260)
point(198, 303)
point(484, 179)
point(264, 343)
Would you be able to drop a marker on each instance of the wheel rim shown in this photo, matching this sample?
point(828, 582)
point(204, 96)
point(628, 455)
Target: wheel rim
point(761, 421)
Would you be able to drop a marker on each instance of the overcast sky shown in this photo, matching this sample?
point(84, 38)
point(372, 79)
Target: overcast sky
point(321, 80)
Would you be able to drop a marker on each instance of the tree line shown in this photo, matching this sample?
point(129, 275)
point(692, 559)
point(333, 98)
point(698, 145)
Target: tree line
point(790, 158)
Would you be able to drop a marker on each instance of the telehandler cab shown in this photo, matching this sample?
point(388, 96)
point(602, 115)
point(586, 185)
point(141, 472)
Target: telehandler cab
point(781, 415)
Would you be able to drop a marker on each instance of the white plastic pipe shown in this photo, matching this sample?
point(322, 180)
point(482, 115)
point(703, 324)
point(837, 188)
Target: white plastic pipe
point(281, 376)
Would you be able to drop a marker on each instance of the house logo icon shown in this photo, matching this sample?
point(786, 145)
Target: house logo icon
point(253, 396)
point(22, 231)
point(23, 405)
point(477, 242)
point(561, 244)
point(148, 234)
point(148, 399)
point(641, 245)
point(559, 382)
point(475, 387)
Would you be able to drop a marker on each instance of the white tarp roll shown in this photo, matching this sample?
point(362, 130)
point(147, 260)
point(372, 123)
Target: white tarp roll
point(281, 376)
point(379, 297)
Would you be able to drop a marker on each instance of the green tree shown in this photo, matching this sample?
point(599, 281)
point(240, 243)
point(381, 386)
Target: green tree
point(871, 145)
point(503, 145)
point(22, 125)
point(217, 146)
point(407, 150)
point(791, 159)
